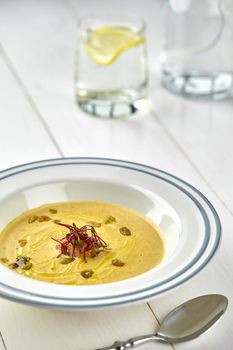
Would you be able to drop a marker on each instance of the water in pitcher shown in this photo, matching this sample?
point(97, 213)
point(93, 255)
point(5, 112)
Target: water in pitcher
point(197, 57)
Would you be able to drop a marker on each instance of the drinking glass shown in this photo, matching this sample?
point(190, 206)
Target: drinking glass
point(111, 75)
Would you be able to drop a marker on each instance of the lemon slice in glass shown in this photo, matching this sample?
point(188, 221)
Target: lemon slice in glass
point(105, 44)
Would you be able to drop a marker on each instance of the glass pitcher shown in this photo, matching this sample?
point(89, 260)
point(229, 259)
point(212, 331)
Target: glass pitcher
point(197, 54)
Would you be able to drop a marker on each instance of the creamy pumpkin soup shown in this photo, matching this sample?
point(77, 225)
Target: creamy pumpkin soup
point(81, 243)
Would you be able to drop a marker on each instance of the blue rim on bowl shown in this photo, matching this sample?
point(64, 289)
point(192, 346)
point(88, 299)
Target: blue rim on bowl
point(211, 238)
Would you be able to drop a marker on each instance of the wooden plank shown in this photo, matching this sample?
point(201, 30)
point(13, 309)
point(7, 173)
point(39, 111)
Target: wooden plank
point(2, 343)
point(215, 278)
point(34, 328)
point(46, 68)
point(203, 130)
point(68, 329)
point(52, 87)
point(14, 312)
point(23, 137)
point(141, 139)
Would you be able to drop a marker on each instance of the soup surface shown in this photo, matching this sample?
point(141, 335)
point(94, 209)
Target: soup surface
point(32, 245)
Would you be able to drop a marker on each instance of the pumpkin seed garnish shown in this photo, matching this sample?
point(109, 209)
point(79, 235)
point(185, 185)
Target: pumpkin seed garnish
point(43, 218)
point(23, 262)
point(28, 266)
point(117, 262)
point(53, 211)
point(14, 265)
point(22, 242)
point(87, 273)
point(32, 219)
point(125, 231)
point(66, 261)
point(110, 220)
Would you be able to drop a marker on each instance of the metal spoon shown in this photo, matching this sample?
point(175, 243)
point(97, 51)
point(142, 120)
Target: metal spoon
point(185, 322)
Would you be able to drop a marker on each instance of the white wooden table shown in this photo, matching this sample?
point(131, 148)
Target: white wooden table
point(39, 119)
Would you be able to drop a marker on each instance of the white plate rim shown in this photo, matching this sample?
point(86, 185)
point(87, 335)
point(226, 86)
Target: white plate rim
point(125, 298)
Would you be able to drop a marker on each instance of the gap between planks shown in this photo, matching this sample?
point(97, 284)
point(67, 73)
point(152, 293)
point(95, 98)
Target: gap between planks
point(29, 98)
point(2, 342)
point(171, 137)
point(61, 153)
point(34, 107)
point(32, 103)
point(191, 162)
point(153, 313)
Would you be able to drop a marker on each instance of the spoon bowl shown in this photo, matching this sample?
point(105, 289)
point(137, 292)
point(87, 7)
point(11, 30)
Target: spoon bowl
point(185, 322)
point(192, 318)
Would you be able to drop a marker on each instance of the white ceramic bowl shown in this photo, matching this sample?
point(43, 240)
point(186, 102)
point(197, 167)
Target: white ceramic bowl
point(189, 222)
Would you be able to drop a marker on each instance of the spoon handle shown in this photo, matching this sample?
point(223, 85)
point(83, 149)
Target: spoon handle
point(137, 341)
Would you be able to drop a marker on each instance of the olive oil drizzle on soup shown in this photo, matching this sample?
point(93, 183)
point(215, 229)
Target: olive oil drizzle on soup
point(29, 244)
